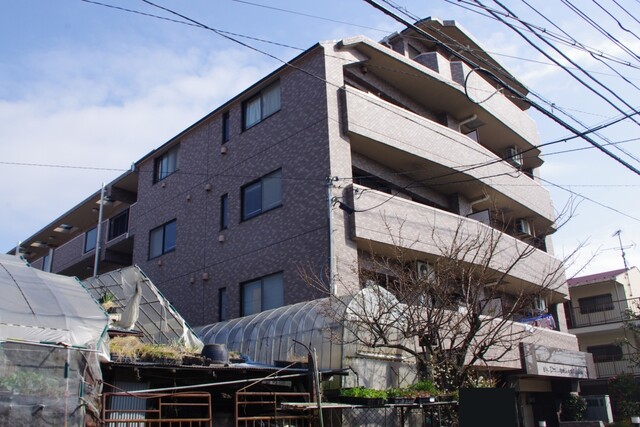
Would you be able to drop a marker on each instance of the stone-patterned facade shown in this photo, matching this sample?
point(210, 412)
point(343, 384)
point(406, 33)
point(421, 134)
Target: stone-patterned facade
point(351, 109)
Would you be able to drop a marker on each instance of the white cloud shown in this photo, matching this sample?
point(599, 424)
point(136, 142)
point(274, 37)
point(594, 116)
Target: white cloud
point(102, 109)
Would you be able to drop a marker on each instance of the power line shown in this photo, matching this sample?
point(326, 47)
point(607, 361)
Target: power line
point(592, 51)
point(176, 21)
point(616, 19)
point(599, 28)
point(309, 15)
point(562, 109)
point(626, 11)
point(44, 165)
point(286, 63)
point(590, 88)
point(515, 92)
point(597, 58)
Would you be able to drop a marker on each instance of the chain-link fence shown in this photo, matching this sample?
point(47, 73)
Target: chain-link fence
point(438, 414)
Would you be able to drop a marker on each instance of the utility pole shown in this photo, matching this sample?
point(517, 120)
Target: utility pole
point(98, 233)
point(624, 259)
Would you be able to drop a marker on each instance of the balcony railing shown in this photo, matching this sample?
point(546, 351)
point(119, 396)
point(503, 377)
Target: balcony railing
point(627, 365)
point(601, 314)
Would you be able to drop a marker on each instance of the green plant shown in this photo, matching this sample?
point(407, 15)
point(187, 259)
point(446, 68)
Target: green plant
point(107, 300)
point(159, 352)
point(481, 381)
point(124, 347)
point(424, 388)
point(30, 383)
point(363, 392)
point(398, 392)
point(624, 393)
point(573, 408)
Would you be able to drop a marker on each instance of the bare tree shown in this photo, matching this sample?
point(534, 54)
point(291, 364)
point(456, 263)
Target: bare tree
point(453, 312)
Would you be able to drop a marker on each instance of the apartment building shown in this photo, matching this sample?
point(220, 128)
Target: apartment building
point(311, 166)
point(599, 305)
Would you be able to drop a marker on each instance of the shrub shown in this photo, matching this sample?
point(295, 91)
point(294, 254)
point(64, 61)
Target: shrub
point(573, 408)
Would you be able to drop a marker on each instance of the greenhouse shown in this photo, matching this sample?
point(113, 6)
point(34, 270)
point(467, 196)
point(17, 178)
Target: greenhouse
point(135, 303)
point(275, 337)
point(52, 336)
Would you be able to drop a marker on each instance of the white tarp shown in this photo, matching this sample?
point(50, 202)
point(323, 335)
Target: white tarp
point(141, 306)
point(37, 306)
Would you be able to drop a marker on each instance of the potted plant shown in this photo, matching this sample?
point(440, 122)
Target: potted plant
point(159, 353)
point(124, 349)
point(400, 396)
point(363, 396)
point(107, 302)
point(423, 392)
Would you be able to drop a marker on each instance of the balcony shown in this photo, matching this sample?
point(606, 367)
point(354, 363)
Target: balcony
point(437, 156)
point(381, 221)
point(607, 313)
point(445, 92)
point(116, 247)
point(611, 368)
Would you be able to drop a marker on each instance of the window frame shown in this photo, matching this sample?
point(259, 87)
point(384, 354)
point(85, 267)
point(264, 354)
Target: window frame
point(158, 174)
point(244, 216)
point(596, 303)
point(260, 96)
point(261, 281)
point(224, 211)
point(86, 240)
point(602, 353)
point(226, 127)
point(124, 213)
point(163, 227)
point(223, 305)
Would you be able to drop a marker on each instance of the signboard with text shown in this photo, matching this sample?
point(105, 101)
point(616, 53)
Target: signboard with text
point(556, 362)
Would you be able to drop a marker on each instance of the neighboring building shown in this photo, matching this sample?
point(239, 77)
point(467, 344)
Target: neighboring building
point(309, 166)
point(596, 314)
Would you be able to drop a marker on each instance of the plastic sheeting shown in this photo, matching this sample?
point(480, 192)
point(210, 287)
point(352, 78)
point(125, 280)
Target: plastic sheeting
point(141, 306)
point(267, 337)
point(43, 307)
point(50, 327)
point(48, 385)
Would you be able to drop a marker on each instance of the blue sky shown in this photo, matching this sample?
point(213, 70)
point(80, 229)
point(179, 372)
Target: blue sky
point(83, 85)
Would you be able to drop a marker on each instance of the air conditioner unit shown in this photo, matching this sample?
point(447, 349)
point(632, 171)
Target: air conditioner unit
point(425, 270)
point(514, 156)
point(523, 227)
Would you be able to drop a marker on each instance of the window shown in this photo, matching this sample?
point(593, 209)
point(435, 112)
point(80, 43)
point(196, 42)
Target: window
point(222, 304)
point(165, 165)
point(262, 195)
point(605, 353)
point(261, 106)
point(224, 211)
point(226, 131)
point(162, 239)
point(119, 224)
point(595, 304)
point(90, 239)
point(262, 294)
